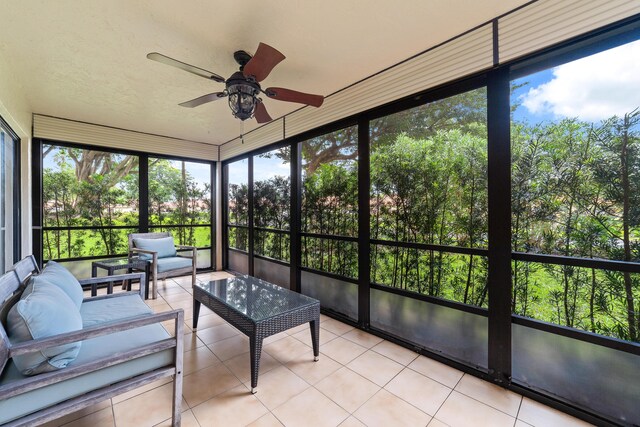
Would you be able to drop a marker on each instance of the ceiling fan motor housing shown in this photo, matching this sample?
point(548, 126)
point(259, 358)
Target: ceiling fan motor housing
point(243, 94)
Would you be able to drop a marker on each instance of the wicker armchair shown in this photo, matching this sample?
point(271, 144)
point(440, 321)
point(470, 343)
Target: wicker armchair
point(163, 266)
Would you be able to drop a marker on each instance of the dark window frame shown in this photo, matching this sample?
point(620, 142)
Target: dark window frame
point(143, 220)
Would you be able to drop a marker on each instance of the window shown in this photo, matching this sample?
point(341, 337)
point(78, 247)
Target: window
point(271, 204)
point(429, 199)
point(180, 202)
point(238, 205)
point(90, 202)
point(576, 191)
point(9, 197)
point(330, 203)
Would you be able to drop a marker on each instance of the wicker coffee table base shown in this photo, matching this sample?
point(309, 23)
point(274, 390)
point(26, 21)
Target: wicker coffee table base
point(257, 331)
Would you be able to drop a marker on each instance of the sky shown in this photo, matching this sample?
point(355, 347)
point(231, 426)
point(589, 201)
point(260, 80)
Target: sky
point(593, 88)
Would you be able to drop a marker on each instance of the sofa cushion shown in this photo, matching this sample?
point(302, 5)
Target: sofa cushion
point(173, 263)
point(112, 309)
point(17, 406)
point(163, 246)
point(44, 310)
point(61, 277)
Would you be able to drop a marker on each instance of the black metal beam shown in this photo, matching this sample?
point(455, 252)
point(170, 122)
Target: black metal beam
point(36, 197)
point(250, 234)
point(295, 241)
point(499, 202)
point(364, 231)
point(143, 193)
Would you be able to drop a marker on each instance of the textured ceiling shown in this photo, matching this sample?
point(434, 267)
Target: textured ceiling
point(86, 59)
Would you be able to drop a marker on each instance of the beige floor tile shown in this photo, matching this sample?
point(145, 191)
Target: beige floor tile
point(168, 289)
point(101, 418)
point(267, 420)
point(185, 304)
point(438, 371)
point(187, 420)
point(155, 302)
point(170, 325)
point(178, 297)
point(347, 389)
point(287, 349)
point(520, 423)
point(207, 383)
point(375, 367)
point(342, 350)
point(216, 333)
point(422, 392)
point(352, 422)
point(191, 341)
point(241, 365)
point(395, 352)
point(209, 320)
point(312, 371)
point(234, 407)
point(230, 347)
point(159, 308)
point(436, 423)
point(385, 409)
point(539, 415)
point(310, 408)
point(461, 411)
point(497, 397)
point(128, 395)
point(305, 336)
point(324, 317)
point(79, 414)
point(197, 359)
point(365, 339)
point(274, 337)
point(146, 409)
point(278, 386)
point(293, 331)
point(335, 326)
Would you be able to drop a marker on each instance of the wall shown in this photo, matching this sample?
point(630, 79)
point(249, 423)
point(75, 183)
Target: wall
point(16, 111)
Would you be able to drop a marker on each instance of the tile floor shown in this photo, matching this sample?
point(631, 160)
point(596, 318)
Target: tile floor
point(360, 380)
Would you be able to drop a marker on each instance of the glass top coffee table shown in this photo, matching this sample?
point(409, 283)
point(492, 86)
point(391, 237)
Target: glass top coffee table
point(258, 309)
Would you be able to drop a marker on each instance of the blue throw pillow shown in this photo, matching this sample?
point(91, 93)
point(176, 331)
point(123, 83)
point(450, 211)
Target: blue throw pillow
point(61, 277)
point(44, 310)
point(163, 246)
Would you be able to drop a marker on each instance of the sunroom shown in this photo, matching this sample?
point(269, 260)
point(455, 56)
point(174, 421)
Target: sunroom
point(464, 204)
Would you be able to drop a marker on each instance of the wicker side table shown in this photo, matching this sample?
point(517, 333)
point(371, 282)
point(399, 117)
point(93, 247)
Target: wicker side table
point(258, 309)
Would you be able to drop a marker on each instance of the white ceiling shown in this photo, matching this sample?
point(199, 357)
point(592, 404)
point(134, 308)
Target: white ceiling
point(86, 59)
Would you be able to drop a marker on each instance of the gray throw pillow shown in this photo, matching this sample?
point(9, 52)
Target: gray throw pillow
point(43, 311)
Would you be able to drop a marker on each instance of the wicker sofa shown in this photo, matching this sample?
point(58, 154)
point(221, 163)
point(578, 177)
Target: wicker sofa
point(121, 345)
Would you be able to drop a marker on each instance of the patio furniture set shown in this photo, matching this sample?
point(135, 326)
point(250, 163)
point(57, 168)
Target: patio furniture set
point(61, 352)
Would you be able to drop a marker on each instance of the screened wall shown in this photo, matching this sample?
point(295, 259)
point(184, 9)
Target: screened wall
point(93, 197)
point(490, 222)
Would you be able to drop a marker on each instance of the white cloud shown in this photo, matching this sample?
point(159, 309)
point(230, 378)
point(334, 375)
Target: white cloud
point(592, 88)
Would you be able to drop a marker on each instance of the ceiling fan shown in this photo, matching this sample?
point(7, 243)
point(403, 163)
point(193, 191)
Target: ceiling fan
point(243, 87)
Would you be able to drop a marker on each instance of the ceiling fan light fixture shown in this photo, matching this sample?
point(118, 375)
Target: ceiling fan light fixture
point(243, 100)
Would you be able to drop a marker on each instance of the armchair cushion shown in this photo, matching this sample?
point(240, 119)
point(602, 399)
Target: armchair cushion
point(174, 263)
point(44, 310)
point(61, 277)
point(163, 246)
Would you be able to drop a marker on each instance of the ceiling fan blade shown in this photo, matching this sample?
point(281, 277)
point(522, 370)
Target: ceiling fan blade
point(261, 114)
point(262, 62)
point(155, 56)
point(203, 99)
point(282, 94)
